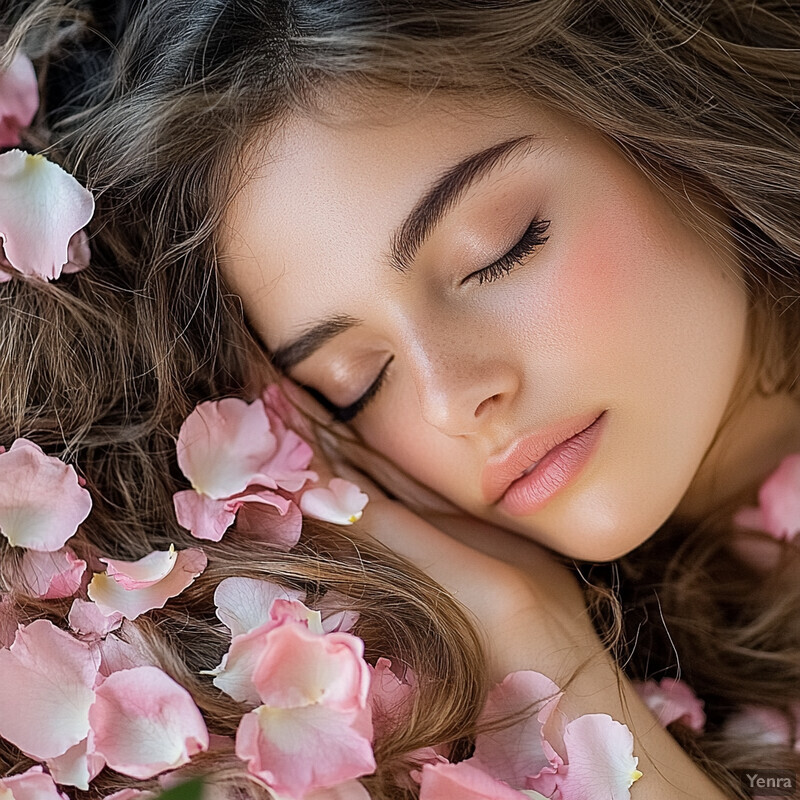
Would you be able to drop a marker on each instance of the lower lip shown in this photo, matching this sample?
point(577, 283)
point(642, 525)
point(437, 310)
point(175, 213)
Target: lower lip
point(563, 463)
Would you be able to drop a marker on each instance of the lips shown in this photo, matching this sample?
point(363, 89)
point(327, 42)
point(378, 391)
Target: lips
point(501, 471)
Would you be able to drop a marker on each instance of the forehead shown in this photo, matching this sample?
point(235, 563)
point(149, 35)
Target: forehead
point(321, 198)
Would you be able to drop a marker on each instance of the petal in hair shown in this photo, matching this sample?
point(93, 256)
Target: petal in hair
point(342, 502)
point(19, 99)
point(41, 208)
point(77, 767)
point(673, 700)
point(223, 444)
point(86, 619)
point(46, 690)
point(144, 723)
point(778, 511)
point(34, 784)
point(51, 575)
point(41, 500)
point(147, 592)
point(294, 751)
point(243, 604)
point(465, 781)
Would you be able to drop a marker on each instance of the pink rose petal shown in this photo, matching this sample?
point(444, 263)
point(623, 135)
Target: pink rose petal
point(76, 767)
point(342, 502)
point(673, 700)
point(34, 784)
point(297, 750)
point(131, 794)
point(516, 752)
point(223, 444)
point(301, 668)
point(390, 698)
point(272, 526)
point(350, 790)
point(118, 654)
point(41, 500)
point(145, 572)
point(243, 604)
point(51, 575)
point(600, 760)
point(209, 519)
point(87, 619)
point(111, 595)
point(144, 723)
point(761, 726)
point(335, 615)
point(204, 517)
point(46, 691)
point(41, 207)
point(778, 511)
point(465, 782)
point(79, 254)
point(19, 99)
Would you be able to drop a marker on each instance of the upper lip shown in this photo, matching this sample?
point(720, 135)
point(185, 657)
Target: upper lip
point(502, 470)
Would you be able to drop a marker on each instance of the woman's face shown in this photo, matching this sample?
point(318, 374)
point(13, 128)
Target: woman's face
point(391, 264)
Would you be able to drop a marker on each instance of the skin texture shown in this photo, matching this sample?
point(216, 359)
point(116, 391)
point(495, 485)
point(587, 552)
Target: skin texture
point(624, 309)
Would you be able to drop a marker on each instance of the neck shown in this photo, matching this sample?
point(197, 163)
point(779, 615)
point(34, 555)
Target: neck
point(759, 433)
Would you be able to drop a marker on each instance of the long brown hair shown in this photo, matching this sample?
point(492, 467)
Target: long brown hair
point(151, 104)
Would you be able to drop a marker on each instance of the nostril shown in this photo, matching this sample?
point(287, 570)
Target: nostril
point(485, 404)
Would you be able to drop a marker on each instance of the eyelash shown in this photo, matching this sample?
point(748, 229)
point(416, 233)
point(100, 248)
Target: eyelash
point(532, 238)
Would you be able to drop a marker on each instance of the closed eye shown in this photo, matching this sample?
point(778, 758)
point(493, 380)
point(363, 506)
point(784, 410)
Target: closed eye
point(533, 237)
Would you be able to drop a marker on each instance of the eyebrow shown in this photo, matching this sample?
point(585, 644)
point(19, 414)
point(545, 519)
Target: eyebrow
point(407, 240)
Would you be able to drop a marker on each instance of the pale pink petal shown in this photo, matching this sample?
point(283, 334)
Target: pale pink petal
point(244, 603)
point(282, 412)
point(335, 615)
point(673, 700)
point(51, 575)
point(34, 784)
point(516, 752)
point(285, 611)
point(119, 654)
point(209, 519)
point(779, 499)
point(144, 723)
point(111, 596)
point(342, 502)
point(19, 99)
point(46, 690)
point(41, 207)
point(76, 767)
point(234, 675)
point(41, 501)
point(300, 668)
point(463, 781)
point(222, 444)
point(600, 760)
point(297, 750)
point(269, 524)
point(87, 619)
point(390, 698)
point(760, 726)
point(204, 517)
point(79, 253)
point(131, 794)
point(288, 466)
point(8, 621)
point(151, 569)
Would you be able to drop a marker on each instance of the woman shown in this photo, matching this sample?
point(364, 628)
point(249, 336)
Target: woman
point(484, 237)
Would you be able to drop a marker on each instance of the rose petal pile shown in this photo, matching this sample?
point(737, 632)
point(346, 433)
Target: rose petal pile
point(240, 456)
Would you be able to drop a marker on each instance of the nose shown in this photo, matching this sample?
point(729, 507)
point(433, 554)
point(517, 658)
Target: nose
point(461, 387)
